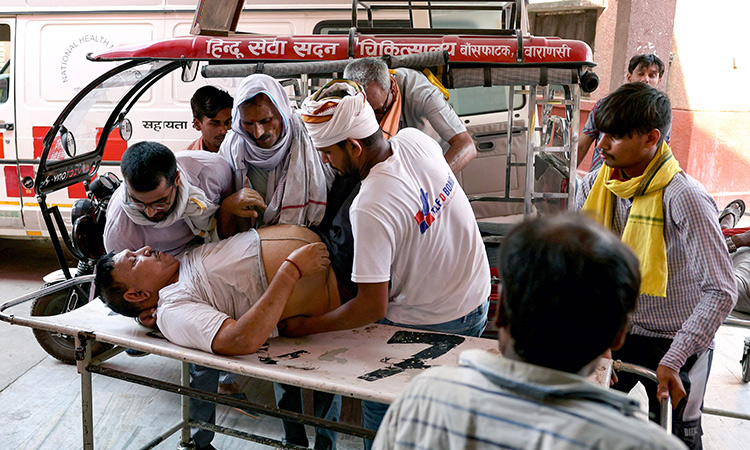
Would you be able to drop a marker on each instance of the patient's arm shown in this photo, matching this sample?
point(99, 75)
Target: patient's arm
point(249, 332)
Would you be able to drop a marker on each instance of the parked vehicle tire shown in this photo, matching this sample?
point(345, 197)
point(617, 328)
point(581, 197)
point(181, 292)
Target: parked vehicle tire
point(59, 346)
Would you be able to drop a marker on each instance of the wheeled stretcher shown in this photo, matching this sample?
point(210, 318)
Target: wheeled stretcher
point(369, 363)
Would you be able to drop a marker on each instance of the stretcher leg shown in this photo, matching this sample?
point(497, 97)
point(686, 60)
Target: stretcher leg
point(83, 357)
point(185, 402)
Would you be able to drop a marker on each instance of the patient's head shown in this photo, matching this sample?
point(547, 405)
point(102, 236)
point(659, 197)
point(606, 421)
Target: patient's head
point(129, 281)
point(151, 179)
point(568, 286)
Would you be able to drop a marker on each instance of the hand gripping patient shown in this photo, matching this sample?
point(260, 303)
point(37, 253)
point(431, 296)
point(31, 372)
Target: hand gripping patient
point(224, 297)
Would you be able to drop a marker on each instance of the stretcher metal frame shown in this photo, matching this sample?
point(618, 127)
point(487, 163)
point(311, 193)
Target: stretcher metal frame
point(381, 380)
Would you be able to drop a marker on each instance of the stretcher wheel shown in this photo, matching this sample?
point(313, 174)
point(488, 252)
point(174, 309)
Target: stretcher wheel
point(59, 346)
point(746, 362)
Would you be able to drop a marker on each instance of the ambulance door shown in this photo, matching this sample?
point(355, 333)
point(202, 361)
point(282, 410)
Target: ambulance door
point(11, 222)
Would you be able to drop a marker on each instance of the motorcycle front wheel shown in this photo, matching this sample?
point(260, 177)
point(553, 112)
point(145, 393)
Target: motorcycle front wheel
point(59, 346)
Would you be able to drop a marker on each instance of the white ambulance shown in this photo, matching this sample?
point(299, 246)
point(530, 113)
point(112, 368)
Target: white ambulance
point(45, 64)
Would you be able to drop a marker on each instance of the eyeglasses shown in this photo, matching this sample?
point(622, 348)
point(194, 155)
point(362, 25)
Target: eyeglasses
point(156, 206)
point(380, 112)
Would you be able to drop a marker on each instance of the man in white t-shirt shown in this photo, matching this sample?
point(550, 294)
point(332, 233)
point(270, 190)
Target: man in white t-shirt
point(419, 260)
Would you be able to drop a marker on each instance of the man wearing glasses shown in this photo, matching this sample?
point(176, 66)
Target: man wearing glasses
point(171, 203)
point(406, 98)
point(167, 202)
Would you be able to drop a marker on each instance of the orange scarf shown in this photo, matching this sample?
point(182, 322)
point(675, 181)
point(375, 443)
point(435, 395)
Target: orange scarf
point(392, 118)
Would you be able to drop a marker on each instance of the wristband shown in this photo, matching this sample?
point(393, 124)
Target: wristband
point(731, 246)
point(295, 266)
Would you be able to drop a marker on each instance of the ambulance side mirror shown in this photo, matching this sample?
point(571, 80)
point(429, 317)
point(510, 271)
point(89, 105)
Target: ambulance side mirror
point(189, 71)
point(67, 141)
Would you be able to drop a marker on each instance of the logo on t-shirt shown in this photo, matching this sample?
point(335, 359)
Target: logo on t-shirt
point(428, 214)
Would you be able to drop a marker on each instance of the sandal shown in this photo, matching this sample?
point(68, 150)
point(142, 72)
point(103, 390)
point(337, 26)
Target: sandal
point(735, 210)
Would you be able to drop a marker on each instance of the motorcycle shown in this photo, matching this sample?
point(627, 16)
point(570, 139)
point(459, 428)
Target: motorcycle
point(86, 243)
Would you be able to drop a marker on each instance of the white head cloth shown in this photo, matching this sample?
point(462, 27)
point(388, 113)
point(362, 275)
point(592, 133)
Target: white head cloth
point(330, 119)
point(265, 158)
point(191, 205)
point(298, 181)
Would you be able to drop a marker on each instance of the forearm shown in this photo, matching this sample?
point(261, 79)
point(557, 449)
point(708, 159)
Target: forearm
point(251, 330)
point(370, 305)
point(698, 331)
point(352, 314)
point(226, 223)
point(461, 151)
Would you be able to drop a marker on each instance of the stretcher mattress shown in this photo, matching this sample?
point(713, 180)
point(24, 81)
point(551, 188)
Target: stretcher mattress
point(374, 362)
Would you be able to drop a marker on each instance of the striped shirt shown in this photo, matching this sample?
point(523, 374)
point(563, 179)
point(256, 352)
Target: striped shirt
point(490, 402)
point(701, 288)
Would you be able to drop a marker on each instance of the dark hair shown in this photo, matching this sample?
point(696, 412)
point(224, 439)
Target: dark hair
point(144, 164)
point(634, 107)
point(208, 101)
point(568, 286)
point(646, 60)
point(110, 291)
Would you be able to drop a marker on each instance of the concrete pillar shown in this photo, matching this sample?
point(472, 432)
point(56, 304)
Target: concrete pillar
point(627, 28)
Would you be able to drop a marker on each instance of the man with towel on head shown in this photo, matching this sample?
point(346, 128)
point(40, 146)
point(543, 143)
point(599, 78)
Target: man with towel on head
point(669, 220)
point(274, 161)
point(419, 260)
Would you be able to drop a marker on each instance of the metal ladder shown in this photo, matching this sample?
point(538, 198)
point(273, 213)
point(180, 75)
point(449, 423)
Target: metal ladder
point(543, 96)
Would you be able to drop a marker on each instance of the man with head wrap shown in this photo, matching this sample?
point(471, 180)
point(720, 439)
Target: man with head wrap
point(271, 153)
point(419, 260)
point(274, 160)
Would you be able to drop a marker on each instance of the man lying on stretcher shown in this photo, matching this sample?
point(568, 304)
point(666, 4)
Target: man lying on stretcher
point(224, 297)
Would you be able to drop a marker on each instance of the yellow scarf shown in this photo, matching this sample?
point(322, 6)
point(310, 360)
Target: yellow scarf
point(644, 229)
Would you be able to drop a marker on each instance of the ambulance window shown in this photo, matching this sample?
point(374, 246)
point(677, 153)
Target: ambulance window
point(4, 62)
point(482, 100)
point(468, 20)
point(342, 26)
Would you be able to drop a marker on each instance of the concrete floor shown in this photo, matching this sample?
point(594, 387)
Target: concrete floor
point(40, 398)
